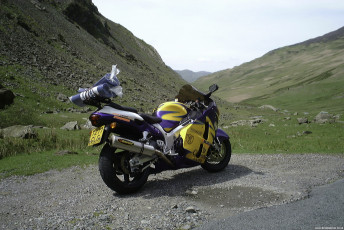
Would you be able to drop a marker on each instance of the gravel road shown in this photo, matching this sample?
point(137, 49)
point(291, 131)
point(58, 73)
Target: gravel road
point(77, 198)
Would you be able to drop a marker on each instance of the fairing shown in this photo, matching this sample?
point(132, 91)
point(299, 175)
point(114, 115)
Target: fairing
point(171, 113)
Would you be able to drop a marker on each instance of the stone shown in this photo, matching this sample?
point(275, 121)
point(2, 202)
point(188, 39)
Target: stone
point(88, 125)
point(6, 97)
point(62, 97)
point(185, 227)
point(73, 125)
point(191, 192)
point(302, 120)
point(19, 131)
point(268, 107)
point(190, 209)
point(306, 132)
point(324, 117)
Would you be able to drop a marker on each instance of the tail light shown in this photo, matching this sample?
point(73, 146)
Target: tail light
point(94, 118)
point(113, 125)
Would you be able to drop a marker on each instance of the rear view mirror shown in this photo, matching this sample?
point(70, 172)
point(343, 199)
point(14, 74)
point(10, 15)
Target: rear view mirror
point(213, 88)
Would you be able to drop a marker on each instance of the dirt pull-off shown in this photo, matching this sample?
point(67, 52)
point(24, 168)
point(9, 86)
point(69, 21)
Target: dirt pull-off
point(77, 198)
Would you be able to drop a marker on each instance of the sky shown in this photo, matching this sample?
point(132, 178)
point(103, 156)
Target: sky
point(212, 35)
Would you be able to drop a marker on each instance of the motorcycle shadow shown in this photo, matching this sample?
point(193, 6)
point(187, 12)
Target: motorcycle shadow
point(177, 183)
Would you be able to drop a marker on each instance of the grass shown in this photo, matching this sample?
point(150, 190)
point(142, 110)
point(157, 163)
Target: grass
point(288, 137)
point(28, 157)
point(280, 132)
point(32, 99)
point(38, 162)
point(293, 78)
point(310, 97)
point(47, 140)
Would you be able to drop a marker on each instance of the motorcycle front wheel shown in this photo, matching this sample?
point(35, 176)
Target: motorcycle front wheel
point(115, 172)
point(217, 160)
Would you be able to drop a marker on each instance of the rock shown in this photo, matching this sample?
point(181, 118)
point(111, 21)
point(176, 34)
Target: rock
point(88, 125)
point(62, 97)
point(85, 110)
point(336, 117)
point(185, 227)
point(73, 125)
point(19, 131)
point(239, 123)
point(255, 122)
point(268, 107)
point(306, 132)
point(191, 192)
point(190, 209)
point(302, 120)
point(145, 222)
point(6, 97)
point(324, 117)
point(65, 152)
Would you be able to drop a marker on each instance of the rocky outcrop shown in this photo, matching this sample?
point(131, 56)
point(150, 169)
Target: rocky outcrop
point(73, 125)
point(6, 97)
point(19, 131)
point(324, 117)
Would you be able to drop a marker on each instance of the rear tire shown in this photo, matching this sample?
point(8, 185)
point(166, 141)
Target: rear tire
point(218, 160)
point(111, 173)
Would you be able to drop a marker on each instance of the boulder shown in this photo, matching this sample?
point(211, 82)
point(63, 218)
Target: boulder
point(268, 107)
point(88, 125)
point(302, 120)
point(6, 97)
point(19, 131)
point(324, 117)
point(73, 125)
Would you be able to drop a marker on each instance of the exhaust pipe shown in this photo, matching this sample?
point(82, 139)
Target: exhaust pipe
point(136, 147)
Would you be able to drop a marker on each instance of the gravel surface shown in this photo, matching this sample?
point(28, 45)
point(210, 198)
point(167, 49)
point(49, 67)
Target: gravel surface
point(77, 198)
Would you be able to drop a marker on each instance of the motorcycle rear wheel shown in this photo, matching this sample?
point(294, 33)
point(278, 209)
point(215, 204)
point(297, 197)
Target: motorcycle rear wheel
point(218, 160)
point(114, 177)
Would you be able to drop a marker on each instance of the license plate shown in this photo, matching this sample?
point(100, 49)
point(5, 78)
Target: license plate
point(96, 136)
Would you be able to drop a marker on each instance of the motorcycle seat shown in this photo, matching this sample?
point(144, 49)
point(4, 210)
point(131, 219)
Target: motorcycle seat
point(124, 108)
point(150, 119)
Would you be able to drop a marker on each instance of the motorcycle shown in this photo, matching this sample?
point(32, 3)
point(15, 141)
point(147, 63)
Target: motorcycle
point(179, 134)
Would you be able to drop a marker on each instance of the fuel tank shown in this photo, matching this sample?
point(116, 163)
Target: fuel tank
point(171, 114)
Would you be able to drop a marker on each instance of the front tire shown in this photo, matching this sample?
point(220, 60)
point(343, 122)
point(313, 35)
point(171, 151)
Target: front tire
point(112, 173)
point(217, 160)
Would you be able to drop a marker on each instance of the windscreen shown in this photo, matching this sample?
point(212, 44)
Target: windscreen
point(190, 93)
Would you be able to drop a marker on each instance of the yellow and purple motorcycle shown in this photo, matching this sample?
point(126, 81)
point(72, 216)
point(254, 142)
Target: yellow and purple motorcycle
point(179, 134)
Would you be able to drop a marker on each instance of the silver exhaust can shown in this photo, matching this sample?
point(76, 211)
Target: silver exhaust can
point(131, 146)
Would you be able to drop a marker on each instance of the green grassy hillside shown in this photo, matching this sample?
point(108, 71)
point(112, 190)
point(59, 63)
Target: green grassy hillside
point(305, 76)
point(53, 47)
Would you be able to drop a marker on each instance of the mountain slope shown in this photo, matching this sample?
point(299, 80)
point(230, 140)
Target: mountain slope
point(191, 76)
point(308, 75)
point(49, 47)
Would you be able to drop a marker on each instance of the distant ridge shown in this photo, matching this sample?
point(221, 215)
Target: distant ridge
point(191, 76)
